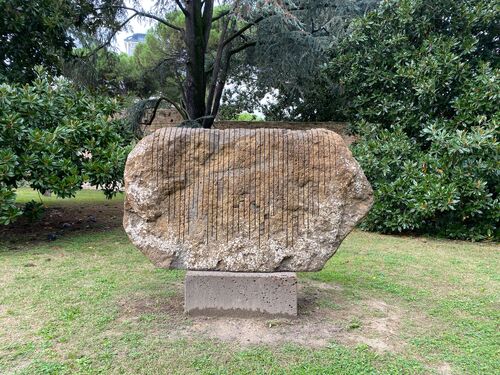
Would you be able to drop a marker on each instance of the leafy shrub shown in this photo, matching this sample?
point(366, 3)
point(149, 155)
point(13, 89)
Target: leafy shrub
point(57, 138)
point(422, 78)
point(33, 210)
point(245, 116)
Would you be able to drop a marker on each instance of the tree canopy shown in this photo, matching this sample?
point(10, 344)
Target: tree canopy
point(44, 32)
point(205, 41)
point(420, 84)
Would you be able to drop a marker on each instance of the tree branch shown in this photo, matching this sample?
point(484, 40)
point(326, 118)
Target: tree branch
point(221, 15)
point(157, 105)
point(146, 15)
point(242, 30)
point(242, 48)
point(110, 38)
point(181, 7)
point(216, 67)
point(208, 11)
point(261, 18)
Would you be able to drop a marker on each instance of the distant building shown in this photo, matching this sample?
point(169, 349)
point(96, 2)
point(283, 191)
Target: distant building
point(132, 41)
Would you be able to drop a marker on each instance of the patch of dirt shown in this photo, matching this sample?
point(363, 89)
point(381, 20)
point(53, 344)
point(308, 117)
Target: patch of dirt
point(61, 221)
point(325, 315)
point(134, 307)
point(444, 369)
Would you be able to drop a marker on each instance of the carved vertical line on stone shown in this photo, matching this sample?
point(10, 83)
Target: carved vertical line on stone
point(167, 179)
point(312, 167)
point(295, 186)
point(220, 202)
point(308, 150)
point(209, 184)
point(296, 163)
point(317, 172)
point(178, 163)
point(260, 183)
point(211, 135)
point(324, 164)
point(230, 196)
point(329, 167)
point(251, 191)
point(298, 139)
point(303, 178)
point(321, 175)
point(245, 186)
point(153, 157)
point(213, 188)
point(154, 167)
point(173, 189)
point(251, 187)
point(195, 204)
point(291, 176)
point(206, 178)
point(157, 148)
point(268, 172)
point(228, 184)
point(191, 176)
point(160, 185)
point(182, 195)
point(272, 192)
point(335, 159)
point(216, 181)
point(185, 165)
point(237, 139)
point(281, 181)
point(247, 206)
point(263, 182)
point(232, 158)
point(235, 166)
point(225, 178)
point(286, 158)
point(230, 191)
point(162, 153)
point(254, 208)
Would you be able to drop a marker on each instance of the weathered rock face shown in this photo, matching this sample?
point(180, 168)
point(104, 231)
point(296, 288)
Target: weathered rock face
point(242, 200)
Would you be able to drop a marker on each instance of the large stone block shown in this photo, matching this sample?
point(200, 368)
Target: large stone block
point(240, 294)
point(262, 200)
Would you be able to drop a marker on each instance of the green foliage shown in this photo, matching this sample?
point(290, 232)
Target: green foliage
point(33, 210)
point(110, 73)
point(43, 32)
point(56, 138)
point(31, 32)
point(245, 116)
point(422, 79)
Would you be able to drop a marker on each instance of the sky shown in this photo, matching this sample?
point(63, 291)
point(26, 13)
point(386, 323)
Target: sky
point(135, 26)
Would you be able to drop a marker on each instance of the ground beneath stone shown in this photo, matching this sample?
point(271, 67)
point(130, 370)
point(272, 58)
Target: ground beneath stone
point(326, 316)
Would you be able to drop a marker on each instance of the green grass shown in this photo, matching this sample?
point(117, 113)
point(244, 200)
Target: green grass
point(93, 304)
point(25, 195)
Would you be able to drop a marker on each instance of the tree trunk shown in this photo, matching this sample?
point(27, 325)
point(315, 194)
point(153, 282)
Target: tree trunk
point(198, 25)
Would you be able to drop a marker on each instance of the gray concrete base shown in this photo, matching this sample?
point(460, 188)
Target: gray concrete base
point(212, 293)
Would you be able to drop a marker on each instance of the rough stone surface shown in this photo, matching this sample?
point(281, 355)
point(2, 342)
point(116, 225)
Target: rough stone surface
point(242, 200)
point(240, 294)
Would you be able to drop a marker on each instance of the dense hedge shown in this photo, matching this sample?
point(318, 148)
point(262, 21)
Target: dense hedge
point(56, 138)
point(422, 82)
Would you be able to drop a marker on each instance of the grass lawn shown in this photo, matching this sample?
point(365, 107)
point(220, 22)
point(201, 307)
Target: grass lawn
point(91, 303)
point(88, 196)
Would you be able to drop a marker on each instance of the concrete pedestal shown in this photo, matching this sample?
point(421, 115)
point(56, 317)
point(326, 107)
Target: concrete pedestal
point(212, 293)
